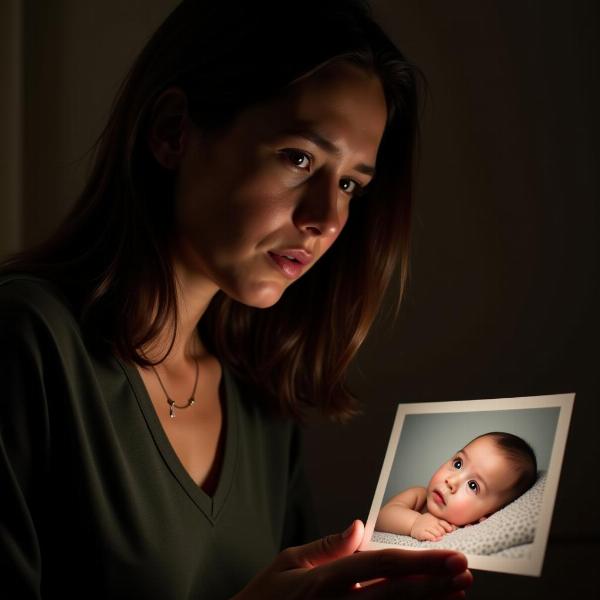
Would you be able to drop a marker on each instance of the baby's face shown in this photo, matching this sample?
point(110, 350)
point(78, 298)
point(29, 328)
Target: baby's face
point(474, 483)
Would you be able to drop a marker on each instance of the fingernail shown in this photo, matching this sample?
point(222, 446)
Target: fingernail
point(461, 581)
point(456, 564)
point(348, 531)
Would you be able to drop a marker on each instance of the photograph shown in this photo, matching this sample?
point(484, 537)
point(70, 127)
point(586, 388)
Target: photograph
point(476, 476)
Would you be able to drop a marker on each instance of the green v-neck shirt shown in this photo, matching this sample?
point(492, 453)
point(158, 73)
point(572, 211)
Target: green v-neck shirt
point(94, 502)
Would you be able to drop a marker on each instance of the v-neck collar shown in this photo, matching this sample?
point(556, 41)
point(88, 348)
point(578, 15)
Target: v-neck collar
point(209, 505)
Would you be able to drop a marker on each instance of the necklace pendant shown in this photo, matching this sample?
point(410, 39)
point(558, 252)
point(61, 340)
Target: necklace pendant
point(170, 401)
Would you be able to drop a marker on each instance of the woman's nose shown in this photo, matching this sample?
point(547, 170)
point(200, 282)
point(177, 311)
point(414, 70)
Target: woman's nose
point(319, 213)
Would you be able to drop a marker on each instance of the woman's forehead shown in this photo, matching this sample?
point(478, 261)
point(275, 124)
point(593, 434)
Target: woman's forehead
point(342, 105)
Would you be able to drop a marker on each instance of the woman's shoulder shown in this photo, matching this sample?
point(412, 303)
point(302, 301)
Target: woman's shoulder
point(29, 291)
point(27, 299)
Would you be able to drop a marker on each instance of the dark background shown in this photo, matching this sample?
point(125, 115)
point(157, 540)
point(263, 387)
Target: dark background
point(504, 289)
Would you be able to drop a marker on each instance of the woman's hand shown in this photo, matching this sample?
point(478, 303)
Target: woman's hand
point(329, 568)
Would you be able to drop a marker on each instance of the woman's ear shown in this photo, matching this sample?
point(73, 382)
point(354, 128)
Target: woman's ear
point(169, 127)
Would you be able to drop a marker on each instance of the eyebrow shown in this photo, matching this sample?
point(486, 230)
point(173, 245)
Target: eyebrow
point(464, 452)
point(328, 146)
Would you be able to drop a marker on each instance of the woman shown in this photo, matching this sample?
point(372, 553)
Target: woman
point(216, 276)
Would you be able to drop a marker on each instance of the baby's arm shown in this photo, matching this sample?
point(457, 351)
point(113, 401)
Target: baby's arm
point(400, 513)
point(401, 516)
point(429, 527)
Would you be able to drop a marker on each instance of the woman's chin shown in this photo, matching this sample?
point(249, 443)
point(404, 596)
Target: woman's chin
point(262, 295)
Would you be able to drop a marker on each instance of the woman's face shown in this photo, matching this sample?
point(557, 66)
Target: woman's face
point(259, 204)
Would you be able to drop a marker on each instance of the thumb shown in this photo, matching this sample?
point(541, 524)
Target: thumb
point(326, 549)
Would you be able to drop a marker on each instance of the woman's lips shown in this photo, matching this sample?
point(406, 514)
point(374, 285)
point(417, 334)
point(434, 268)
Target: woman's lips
point(290, 267)
point(438, 498)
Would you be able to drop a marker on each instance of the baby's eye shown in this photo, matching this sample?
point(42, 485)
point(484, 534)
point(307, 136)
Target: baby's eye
point(457, 463)
point(298, 158)
point(351, 187)
point(473, 485)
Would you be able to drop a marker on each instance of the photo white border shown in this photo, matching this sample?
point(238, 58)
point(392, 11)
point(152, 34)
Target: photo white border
point(522, 566)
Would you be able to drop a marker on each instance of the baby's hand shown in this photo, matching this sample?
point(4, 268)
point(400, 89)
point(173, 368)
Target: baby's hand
point(428, 527)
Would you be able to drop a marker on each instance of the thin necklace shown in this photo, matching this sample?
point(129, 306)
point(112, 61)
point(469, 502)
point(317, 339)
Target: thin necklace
point(170, 401)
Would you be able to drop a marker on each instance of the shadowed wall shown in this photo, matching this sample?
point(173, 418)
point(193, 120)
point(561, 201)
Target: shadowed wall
point(504, 292)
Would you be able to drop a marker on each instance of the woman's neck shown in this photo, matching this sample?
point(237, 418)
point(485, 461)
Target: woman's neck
point(194, 293)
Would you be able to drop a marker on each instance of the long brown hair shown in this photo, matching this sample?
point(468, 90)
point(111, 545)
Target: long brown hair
point(110, 257)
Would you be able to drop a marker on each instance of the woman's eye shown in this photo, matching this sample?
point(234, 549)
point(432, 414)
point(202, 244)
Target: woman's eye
point(298, 159)
point(457, 463)
point(351, 187)
point(473, 485)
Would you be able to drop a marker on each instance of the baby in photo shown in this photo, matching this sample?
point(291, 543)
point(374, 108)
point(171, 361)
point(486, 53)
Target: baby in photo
point(488, 473)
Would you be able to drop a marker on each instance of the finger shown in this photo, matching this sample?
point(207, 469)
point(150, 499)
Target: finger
point(364, 584)
point(392, 563)
point(324, 550)
point(447, 526)
point(435, 536)
point(430, 587)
